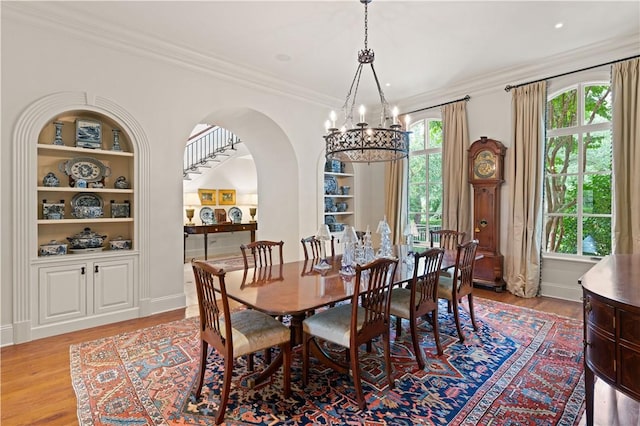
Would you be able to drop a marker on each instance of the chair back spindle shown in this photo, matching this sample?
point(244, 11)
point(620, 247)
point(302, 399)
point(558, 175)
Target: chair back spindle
point(261, 251)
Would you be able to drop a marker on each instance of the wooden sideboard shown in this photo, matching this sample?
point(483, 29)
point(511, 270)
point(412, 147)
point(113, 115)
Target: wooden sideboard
point(611, 302)
point(214, 229)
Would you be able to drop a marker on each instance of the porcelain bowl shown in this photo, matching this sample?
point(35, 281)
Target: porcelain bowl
point(53, 248)
point(120, 244)
point(87, 239)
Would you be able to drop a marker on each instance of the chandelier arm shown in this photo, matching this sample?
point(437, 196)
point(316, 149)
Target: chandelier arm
point(383, 100)
point(348, 111)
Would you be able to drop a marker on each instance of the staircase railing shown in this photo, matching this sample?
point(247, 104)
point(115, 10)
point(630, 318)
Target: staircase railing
point(206, 146)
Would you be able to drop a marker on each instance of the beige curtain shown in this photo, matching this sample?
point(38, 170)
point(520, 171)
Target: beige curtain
point(396, 198)
point(626, 156)
point(524, 182)
point(456, 198)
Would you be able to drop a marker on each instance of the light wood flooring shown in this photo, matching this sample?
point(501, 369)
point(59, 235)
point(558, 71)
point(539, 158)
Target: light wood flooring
point(36, 385)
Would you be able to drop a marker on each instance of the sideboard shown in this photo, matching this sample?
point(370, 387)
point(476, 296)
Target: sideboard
point(214, 229)
point(611, 301)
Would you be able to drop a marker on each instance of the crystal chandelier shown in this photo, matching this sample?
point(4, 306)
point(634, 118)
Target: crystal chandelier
point(359, 142)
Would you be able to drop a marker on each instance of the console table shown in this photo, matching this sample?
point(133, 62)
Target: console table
point(611, 302)
point(214, 229)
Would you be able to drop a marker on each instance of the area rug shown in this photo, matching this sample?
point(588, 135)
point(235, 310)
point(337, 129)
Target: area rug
point(230, 263)
point(522, 367)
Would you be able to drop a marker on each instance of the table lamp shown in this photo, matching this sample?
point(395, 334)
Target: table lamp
point(191, 199)
point(323, 235)
point(410, 231)
point(253, 203)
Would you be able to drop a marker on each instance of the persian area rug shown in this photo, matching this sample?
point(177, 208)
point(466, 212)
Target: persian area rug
point(522, 367)
point(230, 263)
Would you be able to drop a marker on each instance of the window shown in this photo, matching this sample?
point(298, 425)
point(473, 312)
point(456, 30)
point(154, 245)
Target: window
point(578, 163)
point(425, 177)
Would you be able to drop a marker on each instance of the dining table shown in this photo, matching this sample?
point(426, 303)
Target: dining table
point(296, 289)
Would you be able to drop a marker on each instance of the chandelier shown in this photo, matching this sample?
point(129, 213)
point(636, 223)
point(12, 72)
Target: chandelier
point(359, 142)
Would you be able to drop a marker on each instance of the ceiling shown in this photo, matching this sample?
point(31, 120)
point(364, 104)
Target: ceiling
point(420, 46)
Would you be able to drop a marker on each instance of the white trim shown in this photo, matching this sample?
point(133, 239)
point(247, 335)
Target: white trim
point(25, 136)
point(168, 303)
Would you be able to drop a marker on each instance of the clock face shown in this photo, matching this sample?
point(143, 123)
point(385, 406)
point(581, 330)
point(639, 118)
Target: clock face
point(484, 166)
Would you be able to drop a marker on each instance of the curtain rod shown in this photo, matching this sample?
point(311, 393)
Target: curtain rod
point(509, 87)
point(466, 98)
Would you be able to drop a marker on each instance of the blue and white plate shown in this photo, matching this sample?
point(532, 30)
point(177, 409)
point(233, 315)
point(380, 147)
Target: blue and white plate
point(330, 185)
point(235, 214)
point(329, 219)
point(206, 216)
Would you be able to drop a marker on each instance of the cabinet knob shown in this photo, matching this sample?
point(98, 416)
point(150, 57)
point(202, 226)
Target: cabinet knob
point(96, 269)
point(586, 343)
point(587, 307)
point(82, 271)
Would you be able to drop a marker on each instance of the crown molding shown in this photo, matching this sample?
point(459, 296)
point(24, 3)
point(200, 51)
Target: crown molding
point(587, 56)
point(49, 16)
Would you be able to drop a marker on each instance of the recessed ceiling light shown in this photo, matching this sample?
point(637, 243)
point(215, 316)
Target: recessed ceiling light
point(559, 25)
point(283, 57)
point(388, 84)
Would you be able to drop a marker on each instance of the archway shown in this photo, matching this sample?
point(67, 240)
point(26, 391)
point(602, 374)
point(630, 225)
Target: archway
point(276, 173)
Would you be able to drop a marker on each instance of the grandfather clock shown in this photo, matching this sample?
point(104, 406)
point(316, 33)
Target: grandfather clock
point(486, 168)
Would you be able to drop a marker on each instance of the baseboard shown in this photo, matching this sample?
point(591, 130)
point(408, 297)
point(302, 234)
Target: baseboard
point(168, 303)
point(561, 291)
point(6, 335)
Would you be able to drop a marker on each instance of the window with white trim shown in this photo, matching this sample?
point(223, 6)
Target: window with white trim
point(578, 170)
point(425, 176)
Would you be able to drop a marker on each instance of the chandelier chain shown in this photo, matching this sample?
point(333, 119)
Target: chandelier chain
point(366, 26)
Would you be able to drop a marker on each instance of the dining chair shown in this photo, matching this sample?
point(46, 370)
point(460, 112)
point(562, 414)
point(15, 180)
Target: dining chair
point(447, 239)
point(313, 247)
point(261, 251)
point(461, 283)
point(233, 334)
point(420, 299)
point(352, 324)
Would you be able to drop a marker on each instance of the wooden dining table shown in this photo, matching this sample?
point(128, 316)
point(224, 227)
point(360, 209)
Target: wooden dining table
point(295, 289)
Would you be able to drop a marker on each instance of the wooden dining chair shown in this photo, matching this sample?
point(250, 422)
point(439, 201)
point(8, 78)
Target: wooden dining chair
point(262, 252)
point(352, 324)
point(447, 238)
point(233, 334)
point(461, 283)
point(313, 247)
point(420, 299)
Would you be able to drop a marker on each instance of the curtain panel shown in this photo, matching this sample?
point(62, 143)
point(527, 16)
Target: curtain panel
point(396, 179)
point(456, 191)
point(524, 180)
point(626, 156)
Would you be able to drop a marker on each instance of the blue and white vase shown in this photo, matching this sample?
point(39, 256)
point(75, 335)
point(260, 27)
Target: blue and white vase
point(58, 138)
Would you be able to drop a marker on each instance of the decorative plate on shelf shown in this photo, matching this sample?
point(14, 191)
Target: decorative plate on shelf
point(235, 214)
point(329, 219)
point(330, 185)
point(88, 169)
point(86, 205)
point(206, 216)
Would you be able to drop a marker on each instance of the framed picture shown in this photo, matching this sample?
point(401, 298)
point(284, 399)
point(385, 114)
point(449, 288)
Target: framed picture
point(207, 197)
point(226, 197)
point(88, 133)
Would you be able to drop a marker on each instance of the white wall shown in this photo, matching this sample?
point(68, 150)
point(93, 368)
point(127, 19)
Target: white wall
point(281, 130)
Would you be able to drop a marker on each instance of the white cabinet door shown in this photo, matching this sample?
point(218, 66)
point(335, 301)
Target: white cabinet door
point(113, 285)
point(62, 292)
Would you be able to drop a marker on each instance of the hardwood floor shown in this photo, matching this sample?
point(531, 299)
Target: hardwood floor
point(36, 385)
